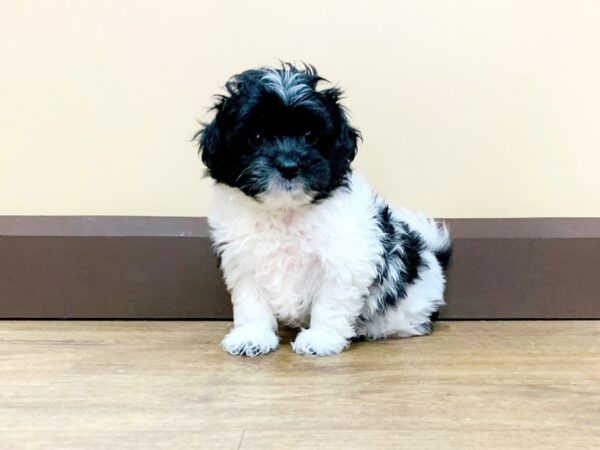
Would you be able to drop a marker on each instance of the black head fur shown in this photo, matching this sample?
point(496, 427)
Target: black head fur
point(274, 129)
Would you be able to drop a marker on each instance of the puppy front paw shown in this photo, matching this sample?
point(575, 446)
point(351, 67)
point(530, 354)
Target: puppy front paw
point(250, 340)
point(318, 343)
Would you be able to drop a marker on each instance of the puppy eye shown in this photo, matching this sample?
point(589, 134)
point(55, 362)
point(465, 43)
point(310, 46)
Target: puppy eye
point(310, 137)
point(255, 140)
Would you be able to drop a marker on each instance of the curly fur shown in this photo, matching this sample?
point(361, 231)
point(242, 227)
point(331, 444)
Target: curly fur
point(301, 238)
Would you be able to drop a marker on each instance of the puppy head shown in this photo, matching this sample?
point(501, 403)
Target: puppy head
point(278, 138)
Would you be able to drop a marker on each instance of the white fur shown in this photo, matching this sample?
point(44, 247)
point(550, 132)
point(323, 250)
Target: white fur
point(409, 316)
point(250, 340)
point(287, 84)
point(314, 341)
point(314, 265)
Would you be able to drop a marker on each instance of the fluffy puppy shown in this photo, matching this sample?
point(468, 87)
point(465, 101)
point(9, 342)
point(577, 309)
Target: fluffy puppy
point(301, 238)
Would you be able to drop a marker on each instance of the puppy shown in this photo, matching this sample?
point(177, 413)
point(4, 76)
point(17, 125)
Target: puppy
point(301, 238)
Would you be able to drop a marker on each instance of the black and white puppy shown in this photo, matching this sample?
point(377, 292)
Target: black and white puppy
point(302, 239)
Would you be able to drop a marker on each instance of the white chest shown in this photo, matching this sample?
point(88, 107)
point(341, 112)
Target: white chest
point(285, 256)
point(281, 256)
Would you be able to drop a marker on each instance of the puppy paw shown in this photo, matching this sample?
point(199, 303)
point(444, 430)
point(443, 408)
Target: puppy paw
point(250, 340)
point(318, 343)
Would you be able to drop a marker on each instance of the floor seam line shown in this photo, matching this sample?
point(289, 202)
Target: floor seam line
point(241, 439)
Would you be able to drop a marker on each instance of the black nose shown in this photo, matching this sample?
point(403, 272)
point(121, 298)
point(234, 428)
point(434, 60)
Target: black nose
point(288, 169)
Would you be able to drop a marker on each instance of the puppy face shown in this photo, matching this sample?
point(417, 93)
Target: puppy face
point(279, 139)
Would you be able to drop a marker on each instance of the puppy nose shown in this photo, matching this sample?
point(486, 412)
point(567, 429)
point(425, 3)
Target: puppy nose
point(288, 168)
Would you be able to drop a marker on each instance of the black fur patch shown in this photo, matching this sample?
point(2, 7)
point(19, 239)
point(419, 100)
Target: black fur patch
point(444, 256)
point(401, 259)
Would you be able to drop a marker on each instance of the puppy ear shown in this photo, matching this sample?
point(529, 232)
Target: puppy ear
point(348, 136)
point(210, 135)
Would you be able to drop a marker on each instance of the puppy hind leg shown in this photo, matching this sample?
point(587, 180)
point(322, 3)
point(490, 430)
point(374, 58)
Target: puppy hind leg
point(411, 315)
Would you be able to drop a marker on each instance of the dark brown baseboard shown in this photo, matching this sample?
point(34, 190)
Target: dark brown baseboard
point(163, 268)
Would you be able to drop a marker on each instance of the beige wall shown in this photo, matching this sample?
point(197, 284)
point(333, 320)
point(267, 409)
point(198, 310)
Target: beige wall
point(468, 108)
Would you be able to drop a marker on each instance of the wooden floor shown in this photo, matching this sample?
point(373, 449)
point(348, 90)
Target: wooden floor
point(145, 385)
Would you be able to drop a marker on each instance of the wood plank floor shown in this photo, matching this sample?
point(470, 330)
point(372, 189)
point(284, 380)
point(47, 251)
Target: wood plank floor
point(145, 385)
